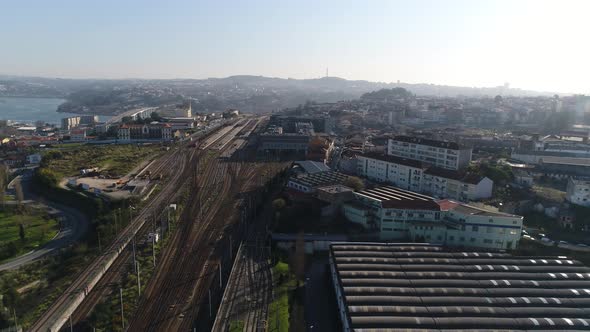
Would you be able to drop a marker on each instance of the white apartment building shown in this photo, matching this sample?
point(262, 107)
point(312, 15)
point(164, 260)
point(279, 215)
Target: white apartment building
point(578, 191)
point(397, 214)
point(416, 176)
point(441, 154)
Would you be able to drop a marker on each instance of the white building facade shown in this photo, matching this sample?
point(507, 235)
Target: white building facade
point(415, 176)
point(402, 215)
point(578, 192)
point(158, 131)
point(448, 155)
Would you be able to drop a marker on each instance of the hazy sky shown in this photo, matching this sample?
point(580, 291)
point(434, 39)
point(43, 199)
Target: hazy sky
point(542, 45)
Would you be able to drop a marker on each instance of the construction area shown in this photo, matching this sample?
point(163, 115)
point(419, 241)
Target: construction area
point(422, 287)
point(217, 199)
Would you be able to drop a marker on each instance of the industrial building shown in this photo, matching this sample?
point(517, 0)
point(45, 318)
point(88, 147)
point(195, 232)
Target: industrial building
point(417, 176)
point(308, 183)
point(397, 214)
point(319, 123)
point(423, 287)
point(441, 154)
point(289, 143)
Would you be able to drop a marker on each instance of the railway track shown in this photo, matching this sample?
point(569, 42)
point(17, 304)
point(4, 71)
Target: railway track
point(160, 306)
point(103, 270)
point(179, 289)
point(175, 294)
point(80, 288)
point(249, 290)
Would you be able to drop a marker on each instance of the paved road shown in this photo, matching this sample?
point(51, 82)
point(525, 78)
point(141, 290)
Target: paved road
point(73, 227)
point(320, 312)
point(568, 246)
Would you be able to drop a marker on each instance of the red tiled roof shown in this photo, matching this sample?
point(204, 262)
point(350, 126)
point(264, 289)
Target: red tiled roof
point(447, 204)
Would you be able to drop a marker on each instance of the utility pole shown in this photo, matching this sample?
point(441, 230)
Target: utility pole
point(71, 326)
point(231, 254)
point(134, 259)
point(15, 322)
point(277, 311)
point(116, 224)
point(99, 246)
point(154, 248)
point(138, 281)
point(122, 314)
point(210, 311)
point(220, 277)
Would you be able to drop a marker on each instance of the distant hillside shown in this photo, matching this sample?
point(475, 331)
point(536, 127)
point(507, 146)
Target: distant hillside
point(244, 92)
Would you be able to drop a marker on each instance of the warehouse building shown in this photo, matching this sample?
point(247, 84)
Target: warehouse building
point(308, 183)
point(397, 214)
point(423, 287)
point(284, 143)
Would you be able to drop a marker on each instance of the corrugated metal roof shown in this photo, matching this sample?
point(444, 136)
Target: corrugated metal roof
point(389, 287)
point(311, 166)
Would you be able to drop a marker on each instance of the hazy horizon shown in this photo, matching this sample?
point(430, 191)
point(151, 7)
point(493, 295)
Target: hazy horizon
point(533, 45)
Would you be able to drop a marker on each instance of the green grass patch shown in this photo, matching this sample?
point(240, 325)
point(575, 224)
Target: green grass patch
point(38, 229)
point(112, 160)
point(284, 284)
point(55, 273)
point(236, 326)
point(549, 194)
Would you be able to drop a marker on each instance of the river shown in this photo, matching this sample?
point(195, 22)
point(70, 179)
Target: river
point(29, 110)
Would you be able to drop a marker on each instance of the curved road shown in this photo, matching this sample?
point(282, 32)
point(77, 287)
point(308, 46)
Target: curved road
point(73, 226)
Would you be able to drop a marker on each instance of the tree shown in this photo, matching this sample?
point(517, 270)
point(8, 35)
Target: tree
point(278, 204)
point(18, 191)
point(388, 94)
point(298, 258)
point(355, 183)
point(47, 177)
point(21, 232)
point(2, 183)
point(10, 297)
point(156, 117)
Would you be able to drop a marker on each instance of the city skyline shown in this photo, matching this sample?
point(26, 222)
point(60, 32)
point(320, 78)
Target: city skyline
point(533, 45)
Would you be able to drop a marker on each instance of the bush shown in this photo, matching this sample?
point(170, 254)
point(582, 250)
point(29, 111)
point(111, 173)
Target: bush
point(46, 177)
point(355, 183)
